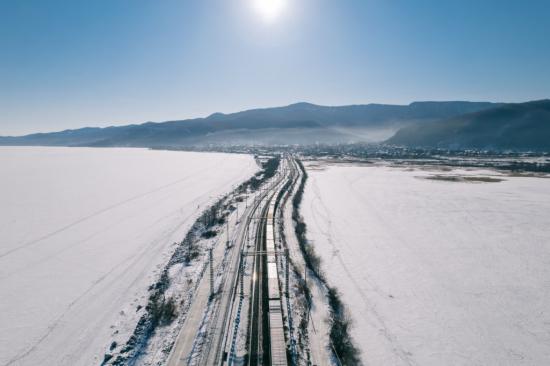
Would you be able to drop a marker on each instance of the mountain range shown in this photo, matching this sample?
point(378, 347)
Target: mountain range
point(514, 126)
point(450, 125)
point(300, 123)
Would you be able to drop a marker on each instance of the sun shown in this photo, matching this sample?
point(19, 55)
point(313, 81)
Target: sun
point(269, 10)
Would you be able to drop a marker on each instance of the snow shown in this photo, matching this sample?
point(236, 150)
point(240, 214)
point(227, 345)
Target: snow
point(83, 233)
point(316, 341)
point(436, 272)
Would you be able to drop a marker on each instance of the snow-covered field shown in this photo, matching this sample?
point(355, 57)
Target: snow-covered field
point(436, 272)
point(83, 232)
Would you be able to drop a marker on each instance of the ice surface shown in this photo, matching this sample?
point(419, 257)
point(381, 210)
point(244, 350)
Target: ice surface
point(436, 272)
point(83, 232)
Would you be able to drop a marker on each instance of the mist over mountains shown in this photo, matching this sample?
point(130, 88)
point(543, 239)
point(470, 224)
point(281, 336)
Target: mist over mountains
point(300, 123)
point(520, 126)
point(449, 125)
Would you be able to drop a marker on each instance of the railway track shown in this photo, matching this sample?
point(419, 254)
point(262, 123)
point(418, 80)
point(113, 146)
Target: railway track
point(263, 322)
point(266, 342)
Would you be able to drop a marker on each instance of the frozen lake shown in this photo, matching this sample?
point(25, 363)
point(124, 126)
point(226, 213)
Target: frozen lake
point(436, 272)
point(83, 232)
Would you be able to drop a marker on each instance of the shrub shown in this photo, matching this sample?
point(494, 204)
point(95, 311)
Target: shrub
point(340, 337)
point(163, 312)
point(209, 234)
point(340, 322)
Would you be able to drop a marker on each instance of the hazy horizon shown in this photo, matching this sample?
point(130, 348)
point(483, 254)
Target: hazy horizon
point(68, 65)
point(105, 124)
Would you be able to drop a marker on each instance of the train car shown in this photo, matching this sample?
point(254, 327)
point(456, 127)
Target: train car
point(273, 281)
point(270, 240)
point(277, 334)
point(276, 329)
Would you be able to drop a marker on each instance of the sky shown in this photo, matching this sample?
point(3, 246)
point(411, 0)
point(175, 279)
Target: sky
point(73, 63)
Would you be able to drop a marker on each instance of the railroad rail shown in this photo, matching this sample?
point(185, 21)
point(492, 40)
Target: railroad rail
point(266, 340)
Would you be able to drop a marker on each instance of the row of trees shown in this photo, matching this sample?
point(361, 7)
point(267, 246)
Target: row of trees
point(340, 323)
point(269, 168)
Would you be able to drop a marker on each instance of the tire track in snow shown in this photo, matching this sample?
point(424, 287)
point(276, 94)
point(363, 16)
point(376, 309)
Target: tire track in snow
point(96, 213)
point(131, 260)
point(324, 215)
point(56, 322)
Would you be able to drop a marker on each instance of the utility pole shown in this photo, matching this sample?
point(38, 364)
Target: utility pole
point(227, 230)
point(211, 257)
point(287, 273)
point(241, 269)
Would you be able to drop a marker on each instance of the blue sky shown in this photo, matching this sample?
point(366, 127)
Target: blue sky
point(71, 63)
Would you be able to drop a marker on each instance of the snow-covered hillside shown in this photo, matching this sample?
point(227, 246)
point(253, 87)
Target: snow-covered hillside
point(82, 234)
point(440, 271)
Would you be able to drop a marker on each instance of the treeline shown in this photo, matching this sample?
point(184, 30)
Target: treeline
point(524, 166)
point(340, 323)
point(313, 261)
point(269, 168)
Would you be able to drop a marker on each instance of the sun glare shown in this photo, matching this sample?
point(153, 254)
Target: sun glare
point(269, 10)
